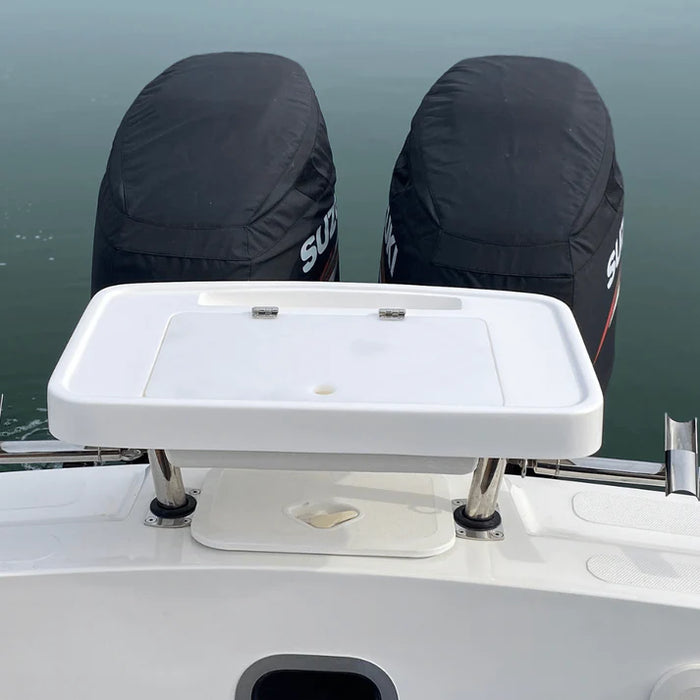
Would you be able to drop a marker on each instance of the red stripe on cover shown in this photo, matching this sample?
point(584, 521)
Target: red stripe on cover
point(611, 315)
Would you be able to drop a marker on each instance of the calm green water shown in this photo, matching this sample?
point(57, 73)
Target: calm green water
point(69, 70)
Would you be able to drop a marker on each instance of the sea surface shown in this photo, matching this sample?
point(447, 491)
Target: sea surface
point(69, 70)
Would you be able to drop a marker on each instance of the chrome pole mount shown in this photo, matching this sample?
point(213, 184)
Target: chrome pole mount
point(172, 505)
point(478, 518)
point(681, 445)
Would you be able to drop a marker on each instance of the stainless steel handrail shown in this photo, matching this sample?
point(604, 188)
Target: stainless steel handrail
point(56, 451)
point(582, 471)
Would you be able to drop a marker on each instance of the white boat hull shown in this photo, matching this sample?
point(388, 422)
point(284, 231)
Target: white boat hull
point(95, 604)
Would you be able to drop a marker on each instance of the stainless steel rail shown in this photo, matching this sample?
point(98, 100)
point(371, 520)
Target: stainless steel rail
point(605, 470)
point(55, 451)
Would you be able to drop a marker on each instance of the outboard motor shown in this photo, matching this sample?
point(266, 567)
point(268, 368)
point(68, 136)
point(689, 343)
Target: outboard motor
point(508, 180)
point(220, 170)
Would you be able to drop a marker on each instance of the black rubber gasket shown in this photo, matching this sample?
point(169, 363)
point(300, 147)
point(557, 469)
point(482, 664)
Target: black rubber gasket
point(463, 520)
point(161, 511)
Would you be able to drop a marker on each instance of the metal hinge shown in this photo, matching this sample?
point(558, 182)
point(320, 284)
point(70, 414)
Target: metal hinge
point(392, 314)
point(265, 311)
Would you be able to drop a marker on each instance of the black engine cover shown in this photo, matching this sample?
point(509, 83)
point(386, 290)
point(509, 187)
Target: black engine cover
point(508, 180)
point(221, 169)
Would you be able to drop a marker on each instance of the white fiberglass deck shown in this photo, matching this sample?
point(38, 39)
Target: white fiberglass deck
point(568, 605)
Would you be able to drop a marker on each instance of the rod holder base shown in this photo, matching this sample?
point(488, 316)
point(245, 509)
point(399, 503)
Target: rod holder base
point(463, 520)
point(466, 528)
point(161, 511)
point(168, 521)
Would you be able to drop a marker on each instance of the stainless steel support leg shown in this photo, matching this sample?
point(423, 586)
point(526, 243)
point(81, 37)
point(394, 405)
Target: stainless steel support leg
point(170, 491)
point(483, 493)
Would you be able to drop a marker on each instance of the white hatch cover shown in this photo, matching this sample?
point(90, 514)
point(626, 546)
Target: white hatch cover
point(384, 515)
point(463, 373)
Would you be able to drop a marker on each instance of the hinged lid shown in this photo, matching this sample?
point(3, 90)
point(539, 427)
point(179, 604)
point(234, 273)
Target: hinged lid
point(327, 369)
